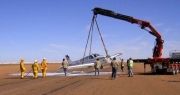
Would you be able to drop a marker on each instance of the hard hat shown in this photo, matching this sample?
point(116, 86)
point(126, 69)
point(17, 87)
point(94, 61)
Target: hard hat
point(44, 58)
point(35, 61)
point(22, 58)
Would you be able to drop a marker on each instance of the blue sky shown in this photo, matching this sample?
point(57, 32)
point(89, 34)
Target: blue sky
point(34, 29)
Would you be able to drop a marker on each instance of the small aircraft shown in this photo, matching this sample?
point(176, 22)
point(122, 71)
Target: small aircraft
point(89, 61)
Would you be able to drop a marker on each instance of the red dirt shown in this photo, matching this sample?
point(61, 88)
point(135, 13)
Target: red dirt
point(140, 84)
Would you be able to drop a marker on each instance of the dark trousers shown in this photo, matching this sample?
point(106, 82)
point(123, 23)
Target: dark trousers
point(114, 71)
point(96, 70)
point(122, 68)
point(65, 71)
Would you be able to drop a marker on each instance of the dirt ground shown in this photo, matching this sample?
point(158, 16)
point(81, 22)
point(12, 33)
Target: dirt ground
point(140, 84)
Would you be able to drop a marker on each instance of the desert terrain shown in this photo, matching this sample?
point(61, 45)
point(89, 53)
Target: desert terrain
point(141, 84)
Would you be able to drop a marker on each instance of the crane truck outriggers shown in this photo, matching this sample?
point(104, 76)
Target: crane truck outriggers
point(157, 63)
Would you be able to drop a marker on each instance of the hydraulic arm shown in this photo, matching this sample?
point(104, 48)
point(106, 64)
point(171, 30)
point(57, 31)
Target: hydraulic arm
point(157, 51)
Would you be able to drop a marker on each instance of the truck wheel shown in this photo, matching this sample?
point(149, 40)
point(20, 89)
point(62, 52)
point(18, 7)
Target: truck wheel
point(173, 72)
point(152, 72)
point(157, 71)
point(177, 71)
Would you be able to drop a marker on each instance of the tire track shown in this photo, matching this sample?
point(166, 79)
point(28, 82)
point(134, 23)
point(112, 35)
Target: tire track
point(57, 89)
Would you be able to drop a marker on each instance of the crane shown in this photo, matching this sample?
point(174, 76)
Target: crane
point(157, 62)
point(157, 51)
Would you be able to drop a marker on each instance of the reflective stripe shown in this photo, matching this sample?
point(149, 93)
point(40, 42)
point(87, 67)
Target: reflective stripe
point(122, 64)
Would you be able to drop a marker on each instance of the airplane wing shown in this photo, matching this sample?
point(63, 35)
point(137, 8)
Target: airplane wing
point(109, 58)
point(79, 66)
point(118, 54)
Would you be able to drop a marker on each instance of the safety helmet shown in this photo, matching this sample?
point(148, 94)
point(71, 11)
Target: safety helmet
point(35, 61)
point(22, 58)
point(44, 58)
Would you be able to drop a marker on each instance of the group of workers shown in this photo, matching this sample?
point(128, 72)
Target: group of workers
point(35, 68)
point(114, 64)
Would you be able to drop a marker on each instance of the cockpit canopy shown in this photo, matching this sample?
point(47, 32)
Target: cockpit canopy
point(92, 56)
point(95, 55)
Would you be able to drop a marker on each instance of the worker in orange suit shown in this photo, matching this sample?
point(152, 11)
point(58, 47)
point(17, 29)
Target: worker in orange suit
point(44, 67)
point(22, 68)
point(35, 68)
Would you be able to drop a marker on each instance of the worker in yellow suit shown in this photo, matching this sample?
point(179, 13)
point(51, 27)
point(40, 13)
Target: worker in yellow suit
point(22, 68)
point(44, 67)
point(35, 68)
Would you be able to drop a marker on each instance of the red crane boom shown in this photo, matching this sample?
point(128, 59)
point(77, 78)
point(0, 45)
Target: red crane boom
point(157, 52)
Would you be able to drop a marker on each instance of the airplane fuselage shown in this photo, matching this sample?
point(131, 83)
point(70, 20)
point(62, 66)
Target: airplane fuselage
point(88, 59)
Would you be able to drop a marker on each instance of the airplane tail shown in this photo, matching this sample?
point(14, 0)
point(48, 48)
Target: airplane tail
point(68, 59)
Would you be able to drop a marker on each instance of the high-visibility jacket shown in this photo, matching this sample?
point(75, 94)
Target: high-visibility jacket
point(131, 63)
point(122, 63)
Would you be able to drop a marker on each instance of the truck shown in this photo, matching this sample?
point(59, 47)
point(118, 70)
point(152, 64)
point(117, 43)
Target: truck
point(157, 63)
point(174, 54)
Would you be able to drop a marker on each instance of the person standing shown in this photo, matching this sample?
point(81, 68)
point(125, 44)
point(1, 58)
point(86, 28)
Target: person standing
point(22, 68)
point(114, 65)
point(97, 65)
point(65, 66)
point(122, 65)
point(35, 68)
point(44, 67)
point(130, 66)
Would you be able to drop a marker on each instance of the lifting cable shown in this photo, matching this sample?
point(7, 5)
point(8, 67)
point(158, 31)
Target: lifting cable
point(91, 33)
point(92, 24)
point(91, 37)
point(101, 38)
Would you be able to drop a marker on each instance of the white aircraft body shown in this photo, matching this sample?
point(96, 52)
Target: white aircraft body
point(89, 61)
